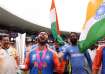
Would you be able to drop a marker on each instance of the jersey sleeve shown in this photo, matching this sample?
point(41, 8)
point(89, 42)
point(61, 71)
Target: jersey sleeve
point(66, 53)
point(59, 66)
point(98, 59)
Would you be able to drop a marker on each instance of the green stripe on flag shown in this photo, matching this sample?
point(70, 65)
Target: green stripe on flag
point(55, 34)
point(96, 32)
point(54, 30)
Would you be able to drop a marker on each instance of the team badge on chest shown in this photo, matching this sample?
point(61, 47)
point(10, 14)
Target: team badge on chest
point(33, 57)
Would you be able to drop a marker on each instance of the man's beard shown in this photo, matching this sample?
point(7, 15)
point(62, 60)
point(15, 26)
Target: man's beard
point(74, 42)
point(6, 46)
point(43, 42)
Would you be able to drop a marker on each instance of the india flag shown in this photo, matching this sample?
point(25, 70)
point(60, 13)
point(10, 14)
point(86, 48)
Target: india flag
point(54, 23)
point(94, 27)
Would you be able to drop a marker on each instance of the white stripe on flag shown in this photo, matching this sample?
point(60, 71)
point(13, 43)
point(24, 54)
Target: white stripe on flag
point(52, 15)
point(89, 24)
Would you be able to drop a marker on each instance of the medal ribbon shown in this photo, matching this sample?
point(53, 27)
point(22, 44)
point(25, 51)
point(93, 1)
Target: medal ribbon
point(40, 56)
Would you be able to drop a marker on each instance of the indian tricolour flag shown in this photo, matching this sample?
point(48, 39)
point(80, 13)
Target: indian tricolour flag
point(54, 23)
point(94, 27)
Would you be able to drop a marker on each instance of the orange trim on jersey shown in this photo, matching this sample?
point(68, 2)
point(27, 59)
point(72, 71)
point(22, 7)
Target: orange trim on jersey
point(98, 59)
point(59, 67)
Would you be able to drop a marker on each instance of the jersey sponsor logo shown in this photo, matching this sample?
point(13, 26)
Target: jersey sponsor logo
point(47, 57)
point(34, 57)
point(76, 55)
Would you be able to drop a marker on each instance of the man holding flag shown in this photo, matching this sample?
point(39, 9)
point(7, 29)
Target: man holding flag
point(76, 58)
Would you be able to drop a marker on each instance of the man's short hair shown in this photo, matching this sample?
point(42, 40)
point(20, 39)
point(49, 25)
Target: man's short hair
point(77, 34)
point(5, 36)
point(73, 33)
